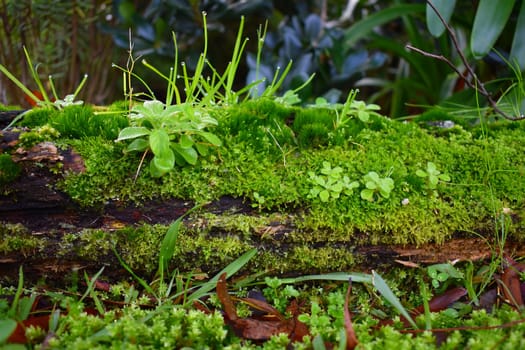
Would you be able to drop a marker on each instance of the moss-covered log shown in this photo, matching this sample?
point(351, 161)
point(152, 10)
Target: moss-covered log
point(297, 202)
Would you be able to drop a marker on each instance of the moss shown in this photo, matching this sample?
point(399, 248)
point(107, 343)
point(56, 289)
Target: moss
point(139, 246)
point(234, 223)
point(81, 121)
point(39, 134)
point(15, 238)
point(9, 170)
point(37, 117)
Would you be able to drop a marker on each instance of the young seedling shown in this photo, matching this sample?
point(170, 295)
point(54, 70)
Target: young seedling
point(331, 184)
point(174, 134)
point(432, 175)
point(440, 273)
point(375, 184)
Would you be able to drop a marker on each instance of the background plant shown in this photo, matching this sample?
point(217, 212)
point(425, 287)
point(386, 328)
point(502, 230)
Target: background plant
point(63, 39)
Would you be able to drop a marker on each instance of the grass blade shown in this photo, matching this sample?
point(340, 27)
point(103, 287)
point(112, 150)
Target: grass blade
point(335, 276)
point(231, 269)
point(167, 247)
point(383, 288)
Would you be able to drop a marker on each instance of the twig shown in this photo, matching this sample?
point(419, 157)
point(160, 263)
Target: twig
point(476, 83)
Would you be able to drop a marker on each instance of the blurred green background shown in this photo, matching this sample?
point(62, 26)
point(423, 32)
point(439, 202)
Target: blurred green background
point(346, 43)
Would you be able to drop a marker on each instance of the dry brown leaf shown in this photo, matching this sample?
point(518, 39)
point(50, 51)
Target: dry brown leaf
point(351, 339)
point(259, 329)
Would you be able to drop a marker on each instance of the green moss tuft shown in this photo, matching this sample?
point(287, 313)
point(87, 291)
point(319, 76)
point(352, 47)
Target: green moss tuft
point(15, 238)
point(81, 121)
point(9, 170)
point(37, 117)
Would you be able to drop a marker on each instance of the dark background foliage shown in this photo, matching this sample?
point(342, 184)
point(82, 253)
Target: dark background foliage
point(322, 37)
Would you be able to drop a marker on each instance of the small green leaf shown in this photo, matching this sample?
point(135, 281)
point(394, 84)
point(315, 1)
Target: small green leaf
point(165, 163)
point(431, 168)
point(185, 141)
point(363, 116)
point(190, 155)
point(432, 181)
point(367, 194)
point(202, 149)
point(371, 185)
point(159, 142)
point(139, 145)
point(132, 132)
point(7, 327)
point(372, 176)
point(324, 195)
point(321, 102)
point(337, 187)
point(211, 138)
point(152, 108)
point(444, 177)
point(421, 173)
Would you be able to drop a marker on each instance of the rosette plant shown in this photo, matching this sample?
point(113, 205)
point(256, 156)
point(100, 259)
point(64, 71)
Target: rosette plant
point(174, 134)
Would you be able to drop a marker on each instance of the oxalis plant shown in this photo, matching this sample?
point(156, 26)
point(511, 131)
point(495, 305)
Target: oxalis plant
point(331, 184)
point(433, 176)
point(348, 110)
point(376, 185)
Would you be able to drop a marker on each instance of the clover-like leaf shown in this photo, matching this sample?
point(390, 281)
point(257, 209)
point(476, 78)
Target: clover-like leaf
point(367, 194)
point(444, 177)
point(363, 116)
point(421, 173)
point(324, 195)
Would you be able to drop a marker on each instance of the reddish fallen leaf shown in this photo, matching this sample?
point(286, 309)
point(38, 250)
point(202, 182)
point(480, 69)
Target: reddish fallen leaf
point(19, 335)
point(259, 329)
point(441, 302)
point(299, 329)
point(260, 305)
point(512, 284)
point(351, 339)
point(226, 301)
point(38, 95)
